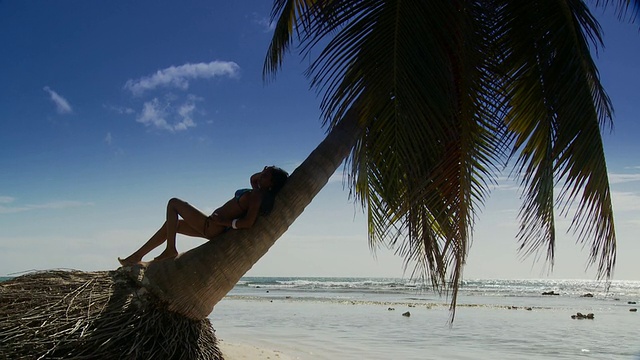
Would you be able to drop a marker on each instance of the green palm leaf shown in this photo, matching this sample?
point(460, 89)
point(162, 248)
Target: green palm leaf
point(556, 104)
point(446, 90)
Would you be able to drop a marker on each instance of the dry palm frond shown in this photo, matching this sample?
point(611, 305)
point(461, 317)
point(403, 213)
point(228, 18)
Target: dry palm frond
point(94, 315)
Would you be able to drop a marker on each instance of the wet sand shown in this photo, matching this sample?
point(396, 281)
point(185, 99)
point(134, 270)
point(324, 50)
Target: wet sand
point(233, 351)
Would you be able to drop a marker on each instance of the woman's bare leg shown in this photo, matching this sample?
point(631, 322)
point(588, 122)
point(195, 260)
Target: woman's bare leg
point(191, 225)
point(191, 216)
point(156, 240)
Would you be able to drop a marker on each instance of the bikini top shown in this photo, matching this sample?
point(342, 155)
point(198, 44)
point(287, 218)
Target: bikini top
point(240, 192)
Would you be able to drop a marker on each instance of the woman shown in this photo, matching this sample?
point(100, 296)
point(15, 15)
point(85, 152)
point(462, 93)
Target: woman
point(238, 213)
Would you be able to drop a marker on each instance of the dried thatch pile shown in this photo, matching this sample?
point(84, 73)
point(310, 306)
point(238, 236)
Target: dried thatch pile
point(94, 315)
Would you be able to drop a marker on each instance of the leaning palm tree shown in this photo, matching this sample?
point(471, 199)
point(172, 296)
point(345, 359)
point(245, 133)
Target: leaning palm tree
point(426, 101)
point(157, 311)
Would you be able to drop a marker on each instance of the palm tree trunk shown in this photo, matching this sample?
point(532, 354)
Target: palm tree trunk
point(195, 281)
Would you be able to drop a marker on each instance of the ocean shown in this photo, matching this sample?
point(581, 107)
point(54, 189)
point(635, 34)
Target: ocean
point(356, 318)
point(365, 319)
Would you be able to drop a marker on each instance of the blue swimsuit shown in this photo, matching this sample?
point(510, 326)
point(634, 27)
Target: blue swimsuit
point(241, 192)
point(236, 196)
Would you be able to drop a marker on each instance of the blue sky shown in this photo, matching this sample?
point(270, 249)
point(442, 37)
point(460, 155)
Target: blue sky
point(108, 109)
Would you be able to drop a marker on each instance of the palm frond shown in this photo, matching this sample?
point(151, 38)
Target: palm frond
point(446, 92)
point(556, 105)
point(629, 9)
point(291, 15)
point(432, 143)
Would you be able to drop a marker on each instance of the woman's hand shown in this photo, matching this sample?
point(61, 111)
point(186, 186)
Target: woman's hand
point(216, 219)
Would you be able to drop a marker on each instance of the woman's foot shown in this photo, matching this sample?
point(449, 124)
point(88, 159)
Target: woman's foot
point(167, 254)
point(128, 261)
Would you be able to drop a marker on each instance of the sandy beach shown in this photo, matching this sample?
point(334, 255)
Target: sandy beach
point(233, 351)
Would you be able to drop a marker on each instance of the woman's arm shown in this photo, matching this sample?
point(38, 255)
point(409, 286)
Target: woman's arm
point(249, 218)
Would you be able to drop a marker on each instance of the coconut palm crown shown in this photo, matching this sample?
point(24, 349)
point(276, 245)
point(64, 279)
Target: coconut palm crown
point(448, 92)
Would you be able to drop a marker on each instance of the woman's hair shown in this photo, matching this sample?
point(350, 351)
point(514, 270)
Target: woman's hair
point(279, 178)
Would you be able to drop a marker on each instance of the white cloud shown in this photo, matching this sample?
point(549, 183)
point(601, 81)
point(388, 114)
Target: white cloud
point(631, 223)
point(185, 112)
point(266, 24)
point(64, 204)
point(154, 115)
point(108, 139)
point(157, 115)
point(623, 178)
point(62, 105)
point(179, 76)
point(120, 109)
point(625, 201)
point(6, 199)
point(505, 187)
point(55, 205)
point(186, 109)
